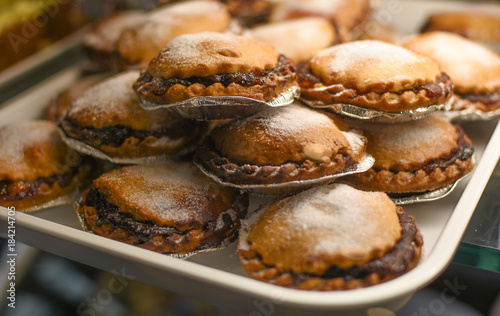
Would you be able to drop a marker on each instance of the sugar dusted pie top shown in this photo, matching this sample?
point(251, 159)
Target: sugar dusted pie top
point(286, 134)
point(114, 102)
point(106, 33)
point(142, 42)
point(325, 226)
point(472, 67)
point(372, 65)
point(33, 149)
point(411, 144)
point(207, 53)
point(172, 194)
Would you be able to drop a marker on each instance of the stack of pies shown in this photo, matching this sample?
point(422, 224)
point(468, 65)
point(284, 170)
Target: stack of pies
point(37, 169)
point(282, 108)
point(107, 122)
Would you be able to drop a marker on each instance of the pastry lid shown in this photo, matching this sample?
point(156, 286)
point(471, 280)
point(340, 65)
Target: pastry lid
point(227, 107)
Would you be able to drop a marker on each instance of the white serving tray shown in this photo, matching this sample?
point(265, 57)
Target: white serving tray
point(218, 277)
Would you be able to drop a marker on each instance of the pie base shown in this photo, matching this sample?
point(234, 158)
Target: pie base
point(211, 236)
point(263, 87)
point(232, 172)
point(420, 96)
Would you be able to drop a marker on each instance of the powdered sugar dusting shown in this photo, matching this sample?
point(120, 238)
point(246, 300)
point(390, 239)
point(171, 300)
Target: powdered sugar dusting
point(170, 192)
point(348, 55)
point(183, 49)
point(111, 96)
point(164, 20)
point(434, 131)
point(16, 137)
point(338, 211)
point(292, 119)
point(109, 31)
point(356, 141)
point(465, 61)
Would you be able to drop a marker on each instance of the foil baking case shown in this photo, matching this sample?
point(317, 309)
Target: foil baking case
point(227, 107)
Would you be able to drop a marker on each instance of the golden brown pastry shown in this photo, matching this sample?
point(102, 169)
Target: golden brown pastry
point(476, 26)
point(137, 45)
point(36, 167)
point(329, 238)
point(473, 68)
point(109, 118)
point(374, 75)
point(280, 145)
point(169, 208)
point(415, 156)
point(57, 107)
point(345, 15)
point(215, 64)
point(100, 41)
point(298, 39)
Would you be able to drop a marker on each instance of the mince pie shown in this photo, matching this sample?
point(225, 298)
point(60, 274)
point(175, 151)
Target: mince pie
point(374, 75)
point(109, 118)
point(57, 107)
point(280, 145)
point(329, 238)
point(416, 156)
point(473, 68)
point(37, 169)
point(298, 39)
point(218, 65)
point(477, 26)
point(137, 45)
point(346, 15)
point(100, 42)
point(169, 208)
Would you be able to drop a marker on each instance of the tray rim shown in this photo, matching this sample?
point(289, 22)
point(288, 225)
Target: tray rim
point(248, 289)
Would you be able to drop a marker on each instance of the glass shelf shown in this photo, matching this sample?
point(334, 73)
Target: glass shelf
point(480, 246)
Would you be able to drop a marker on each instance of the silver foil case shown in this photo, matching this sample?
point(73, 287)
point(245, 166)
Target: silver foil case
point(220, 108)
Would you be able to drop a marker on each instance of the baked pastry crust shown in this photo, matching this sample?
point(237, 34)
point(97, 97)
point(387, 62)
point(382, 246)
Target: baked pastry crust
point(308, 242)
point(100, 42)
point(345, 15)
point(280, 145)
point(138, 45)
point(415, 156)
point(473, 25)
point(298, 39)
point(36, 167)
point(473, 68)
point(214, 64)
point(168, 208)
point(109, 118)
point(57, 107)
point(374, 75)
